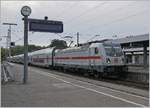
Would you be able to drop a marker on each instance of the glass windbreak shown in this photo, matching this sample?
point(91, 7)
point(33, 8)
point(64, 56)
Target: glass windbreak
point(113, 50)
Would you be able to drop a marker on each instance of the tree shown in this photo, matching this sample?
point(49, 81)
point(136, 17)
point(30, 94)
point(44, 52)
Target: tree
point(4, 53)
point(18, 49)
point(58, 43)
point(32, 48)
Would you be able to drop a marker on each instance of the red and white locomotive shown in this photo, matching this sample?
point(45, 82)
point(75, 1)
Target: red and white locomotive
point(100, 58)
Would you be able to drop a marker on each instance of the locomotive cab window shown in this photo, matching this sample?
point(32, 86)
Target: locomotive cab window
point(113, 50)
point(96, 50)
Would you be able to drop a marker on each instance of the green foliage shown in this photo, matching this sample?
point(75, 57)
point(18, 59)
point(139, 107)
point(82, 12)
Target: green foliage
point(4, 53)
point(32, 48)
point(18, 49)
point(58, 43)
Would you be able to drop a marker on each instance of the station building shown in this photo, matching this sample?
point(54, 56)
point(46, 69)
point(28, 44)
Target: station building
point(136, 49)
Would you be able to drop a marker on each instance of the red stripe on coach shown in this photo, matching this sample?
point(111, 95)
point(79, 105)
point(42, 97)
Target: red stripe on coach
point(82, 57)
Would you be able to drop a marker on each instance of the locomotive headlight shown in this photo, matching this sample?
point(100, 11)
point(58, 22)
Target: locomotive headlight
point(108, 60)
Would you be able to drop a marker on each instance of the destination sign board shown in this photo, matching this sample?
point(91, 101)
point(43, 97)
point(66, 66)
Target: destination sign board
point(45, 26)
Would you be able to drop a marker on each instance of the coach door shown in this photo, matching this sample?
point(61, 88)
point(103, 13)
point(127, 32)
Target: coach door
point(91, 56)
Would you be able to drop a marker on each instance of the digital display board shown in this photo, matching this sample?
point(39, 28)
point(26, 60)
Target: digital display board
point(46, 26)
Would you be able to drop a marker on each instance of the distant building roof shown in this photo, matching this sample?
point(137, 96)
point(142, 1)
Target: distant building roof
point(134, 49)
point(137, 38)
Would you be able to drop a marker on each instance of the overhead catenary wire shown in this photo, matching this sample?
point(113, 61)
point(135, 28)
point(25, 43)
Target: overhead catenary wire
point(67, 9)
point(86, 12)
point(19, 39)
point(116, 20)
point(90, 19)
point(120, 8)
point(92, 38)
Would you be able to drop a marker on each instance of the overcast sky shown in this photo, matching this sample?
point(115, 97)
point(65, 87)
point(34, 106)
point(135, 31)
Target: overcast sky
point(89, 18)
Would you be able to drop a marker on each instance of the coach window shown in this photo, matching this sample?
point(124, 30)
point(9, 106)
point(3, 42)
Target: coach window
point(96, 50)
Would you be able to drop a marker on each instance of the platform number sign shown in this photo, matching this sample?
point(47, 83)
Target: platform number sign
point(45, 26)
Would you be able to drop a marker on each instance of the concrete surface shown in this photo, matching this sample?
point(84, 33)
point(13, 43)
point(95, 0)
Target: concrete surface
point(121, 88)
point(49, 90)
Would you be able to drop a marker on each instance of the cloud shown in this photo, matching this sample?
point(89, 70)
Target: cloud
point(78, 16)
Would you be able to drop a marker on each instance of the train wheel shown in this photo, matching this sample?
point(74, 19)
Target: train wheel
point(59, 69)
point(86, 74)
point(97, 75)
point(64, 70)
point(51, 67)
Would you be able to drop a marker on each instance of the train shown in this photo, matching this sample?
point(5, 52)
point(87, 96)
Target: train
point(98, 58)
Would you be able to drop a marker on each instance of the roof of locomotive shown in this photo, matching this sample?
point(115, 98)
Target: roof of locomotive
point(100, 41)
point(87, 45)
point(74, 48)
point(96, 42)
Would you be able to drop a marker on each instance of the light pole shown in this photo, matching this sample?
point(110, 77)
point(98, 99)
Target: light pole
point(25, 11)
point(9, 36)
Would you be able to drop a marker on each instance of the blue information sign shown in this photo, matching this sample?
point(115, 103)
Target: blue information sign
point(45, 26)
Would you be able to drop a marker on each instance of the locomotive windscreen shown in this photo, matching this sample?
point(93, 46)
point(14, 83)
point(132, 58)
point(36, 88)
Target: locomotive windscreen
point(113, 50)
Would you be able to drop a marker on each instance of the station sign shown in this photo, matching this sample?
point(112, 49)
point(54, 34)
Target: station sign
point(45, 26)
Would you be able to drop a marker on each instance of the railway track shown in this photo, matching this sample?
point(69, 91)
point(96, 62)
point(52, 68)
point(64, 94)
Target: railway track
point(128, 83)
point(93, 80)
point(117, 81)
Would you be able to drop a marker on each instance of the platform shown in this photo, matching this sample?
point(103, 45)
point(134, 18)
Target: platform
point(49, 90)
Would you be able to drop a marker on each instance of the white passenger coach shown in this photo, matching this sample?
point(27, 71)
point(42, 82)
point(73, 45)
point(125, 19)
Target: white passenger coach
point(100, 58)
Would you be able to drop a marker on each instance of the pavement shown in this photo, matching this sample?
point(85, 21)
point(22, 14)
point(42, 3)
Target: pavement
point(50, 90)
